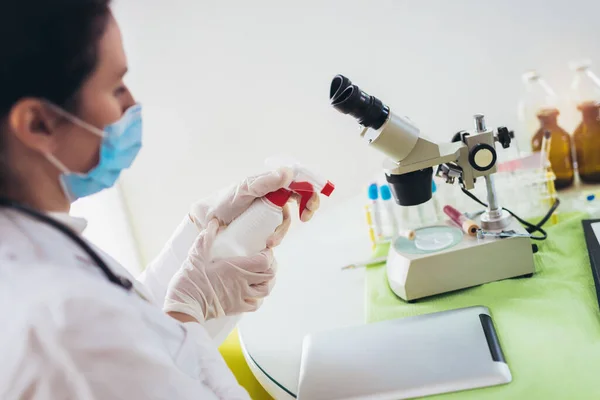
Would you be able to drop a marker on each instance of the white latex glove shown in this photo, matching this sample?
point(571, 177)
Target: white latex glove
point(233, 201)
point(206, 289)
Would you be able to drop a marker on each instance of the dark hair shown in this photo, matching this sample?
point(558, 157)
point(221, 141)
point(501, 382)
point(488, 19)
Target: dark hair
point(49, 48)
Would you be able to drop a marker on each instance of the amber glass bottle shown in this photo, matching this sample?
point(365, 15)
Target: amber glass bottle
point(587, 142)
point(537, 95)
point(561, 158)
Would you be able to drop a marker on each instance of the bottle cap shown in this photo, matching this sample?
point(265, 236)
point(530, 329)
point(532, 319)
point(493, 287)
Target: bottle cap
point(580, 65)
point(530, 76)
point(386, 193)
point(433, 187)
point(373, 192)
point(590, 197)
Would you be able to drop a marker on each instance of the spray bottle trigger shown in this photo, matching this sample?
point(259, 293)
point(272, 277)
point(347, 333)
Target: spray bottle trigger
point(279, 197)
point(305, 190)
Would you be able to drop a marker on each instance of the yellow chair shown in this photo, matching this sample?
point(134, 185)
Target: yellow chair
point(232, 353)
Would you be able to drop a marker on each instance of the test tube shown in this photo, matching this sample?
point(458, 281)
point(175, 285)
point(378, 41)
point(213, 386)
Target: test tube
point(386, 197)
point(374, 198)
point(468, 226)
point(370, 226)
point(548, 175)
point(545, 150)
point(407, 234)
point(435, 201)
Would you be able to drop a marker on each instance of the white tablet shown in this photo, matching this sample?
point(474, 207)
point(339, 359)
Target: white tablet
point(404, 358)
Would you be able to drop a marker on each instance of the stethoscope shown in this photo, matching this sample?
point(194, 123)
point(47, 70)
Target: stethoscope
point(110, 275)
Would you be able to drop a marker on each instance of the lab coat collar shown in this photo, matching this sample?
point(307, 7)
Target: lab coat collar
point(78, 224)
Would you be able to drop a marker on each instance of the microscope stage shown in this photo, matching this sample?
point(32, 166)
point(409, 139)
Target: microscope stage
point(417, 270)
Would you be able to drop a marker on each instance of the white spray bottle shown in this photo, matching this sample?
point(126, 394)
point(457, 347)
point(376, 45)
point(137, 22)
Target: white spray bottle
point(247, 235)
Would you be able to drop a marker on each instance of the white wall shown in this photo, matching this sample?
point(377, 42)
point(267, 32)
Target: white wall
point(220, 77)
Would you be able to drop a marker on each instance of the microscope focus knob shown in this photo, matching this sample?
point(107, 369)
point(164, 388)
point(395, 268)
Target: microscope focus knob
point(482, 157)
point(504, 137)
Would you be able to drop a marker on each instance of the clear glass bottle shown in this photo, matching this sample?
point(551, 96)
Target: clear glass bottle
point(585, 86)
point(537, 96)
point(585, 96)
point(561, 153)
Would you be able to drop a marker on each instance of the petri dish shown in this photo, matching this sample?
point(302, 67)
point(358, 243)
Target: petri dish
point(430, 239)
point(433, 240)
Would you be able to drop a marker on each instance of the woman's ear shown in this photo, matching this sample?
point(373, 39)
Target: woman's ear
point(34, 124)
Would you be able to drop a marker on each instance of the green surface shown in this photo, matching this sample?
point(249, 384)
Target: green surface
point(548, 325)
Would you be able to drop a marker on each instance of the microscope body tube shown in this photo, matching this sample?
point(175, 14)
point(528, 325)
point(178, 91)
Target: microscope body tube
point(396, 138)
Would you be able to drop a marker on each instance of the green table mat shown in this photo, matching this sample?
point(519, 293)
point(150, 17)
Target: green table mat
point(548, 325)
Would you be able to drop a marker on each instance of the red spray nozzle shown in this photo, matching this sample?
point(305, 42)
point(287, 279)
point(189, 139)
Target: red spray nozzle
point(306, 191)
point(305, 184)
point(328, 189)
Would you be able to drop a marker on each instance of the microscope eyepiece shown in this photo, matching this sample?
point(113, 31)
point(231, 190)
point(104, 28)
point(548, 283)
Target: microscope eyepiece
point(338, 84)
point(349, 99)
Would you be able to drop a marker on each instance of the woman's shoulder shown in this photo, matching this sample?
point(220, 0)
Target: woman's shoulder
point(44, 290)
point(45, 295)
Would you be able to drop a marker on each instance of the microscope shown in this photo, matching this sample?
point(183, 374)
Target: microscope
point(448, 259)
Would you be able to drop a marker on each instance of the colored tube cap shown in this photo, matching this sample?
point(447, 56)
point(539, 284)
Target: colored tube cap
point(386, 193)
point(433, 187)
point(373, 192)
point(590, 197)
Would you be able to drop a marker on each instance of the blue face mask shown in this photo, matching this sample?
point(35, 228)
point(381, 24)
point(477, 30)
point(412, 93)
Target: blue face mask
point(121, 143)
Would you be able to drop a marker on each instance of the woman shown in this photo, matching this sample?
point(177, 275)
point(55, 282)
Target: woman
point(74, 323)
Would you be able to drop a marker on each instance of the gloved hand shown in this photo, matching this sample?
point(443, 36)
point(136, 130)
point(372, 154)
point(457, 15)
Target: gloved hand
point(206, 289)
point(232, 202)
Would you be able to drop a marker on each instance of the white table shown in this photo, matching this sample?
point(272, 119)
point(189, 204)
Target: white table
point(311, 294)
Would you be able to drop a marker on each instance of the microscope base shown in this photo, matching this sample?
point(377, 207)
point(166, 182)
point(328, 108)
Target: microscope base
point(469, 263)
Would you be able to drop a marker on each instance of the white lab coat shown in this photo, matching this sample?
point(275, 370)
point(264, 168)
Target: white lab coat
point(68, 333)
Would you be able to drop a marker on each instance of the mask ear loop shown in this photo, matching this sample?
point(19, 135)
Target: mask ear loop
point(77, 121)
point(65, 171)
point(52, 158)
point(56, 162)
